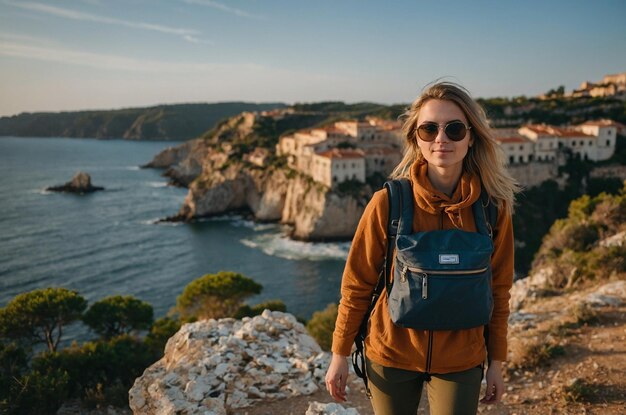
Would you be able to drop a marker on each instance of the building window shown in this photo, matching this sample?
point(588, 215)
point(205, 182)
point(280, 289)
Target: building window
point(511, 159)
point(588, 143)
point(582, 143)
point(574, 143)
point(521, 148)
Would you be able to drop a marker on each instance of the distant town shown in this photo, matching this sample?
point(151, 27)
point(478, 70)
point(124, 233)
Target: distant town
point(355, 150)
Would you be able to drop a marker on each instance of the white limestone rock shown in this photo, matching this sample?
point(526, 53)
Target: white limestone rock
point(317, 408)
point(217, 365)
point(612, 294)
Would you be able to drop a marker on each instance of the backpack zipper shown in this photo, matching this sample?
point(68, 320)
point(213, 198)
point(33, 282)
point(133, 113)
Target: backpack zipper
point(407, 268)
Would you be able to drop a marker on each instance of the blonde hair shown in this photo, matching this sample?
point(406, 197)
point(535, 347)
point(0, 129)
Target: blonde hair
point(485, 158)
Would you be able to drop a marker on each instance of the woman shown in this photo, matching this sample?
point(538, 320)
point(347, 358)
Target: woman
point(450, 151)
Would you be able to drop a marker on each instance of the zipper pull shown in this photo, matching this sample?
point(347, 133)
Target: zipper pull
point(403, 274)
point(424, 286)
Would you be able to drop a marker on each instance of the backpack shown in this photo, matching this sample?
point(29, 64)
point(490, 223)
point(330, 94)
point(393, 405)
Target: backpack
point(431, 268)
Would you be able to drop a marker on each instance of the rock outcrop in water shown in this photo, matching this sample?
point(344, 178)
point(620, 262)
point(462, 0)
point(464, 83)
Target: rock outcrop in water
point(216, 366)
point(80, 183)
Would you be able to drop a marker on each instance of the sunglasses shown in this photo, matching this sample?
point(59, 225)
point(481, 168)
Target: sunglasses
point(455, 130)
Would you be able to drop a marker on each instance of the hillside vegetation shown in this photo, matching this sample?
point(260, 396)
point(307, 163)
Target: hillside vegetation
point(587, 246)
point(162, 122)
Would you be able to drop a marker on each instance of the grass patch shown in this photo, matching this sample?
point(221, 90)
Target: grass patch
point(535, 354)
point(584, 314)
point(579, 391)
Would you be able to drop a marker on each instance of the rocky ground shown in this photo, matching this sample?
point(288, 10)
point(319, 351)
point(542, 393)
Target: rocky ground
point(578, 368)
point(567, 356)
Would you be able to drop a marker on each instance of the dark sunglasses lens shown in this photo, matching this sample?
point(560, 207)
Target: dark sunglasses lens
point(428, 132)
point(456, 131)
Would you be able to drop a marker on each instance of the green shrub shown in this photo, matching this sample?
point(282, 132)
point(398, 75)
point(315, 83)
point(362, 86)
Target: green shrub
point(583, 314)
point(160, 333)
point(117, 361)
point(117, 315)
point(533, 354)
point(38, 392)
point(215, 295)
point(322, 325)
point(578, 391)
point(247, 311)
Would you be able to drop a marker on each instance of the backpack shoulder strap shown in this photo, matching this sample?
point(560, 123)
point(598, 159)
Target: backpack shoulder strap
point(395, 194)
point(485, 214)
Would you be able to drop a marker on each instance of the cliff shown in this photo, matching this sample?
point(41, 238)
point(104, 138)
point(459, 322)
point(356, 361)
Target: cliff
point(162, 122)
point(216, 170)
point(278, 194)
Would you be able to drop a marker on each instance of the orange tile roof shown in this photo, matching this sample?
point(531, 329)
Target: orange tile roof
point(513, 139)
point(553, 131)
point(603, 123)
point(337, 153)
point(380, 151)
point(537, 128)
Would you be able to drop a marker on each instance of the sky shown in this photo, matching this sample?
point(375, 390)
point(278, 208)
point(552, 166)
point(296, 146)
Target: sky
point(103, 54)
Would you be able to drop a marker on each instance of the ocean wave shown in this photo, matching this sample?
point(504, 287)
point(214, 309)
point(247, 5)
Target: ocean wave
point(155, 221)
point(282, 246)
point(157, 184)
point(132, 168)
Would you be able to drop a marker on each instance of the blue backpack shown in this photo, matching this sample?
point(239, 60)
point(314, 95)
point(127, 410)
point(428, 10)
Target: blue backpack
point(442, 278)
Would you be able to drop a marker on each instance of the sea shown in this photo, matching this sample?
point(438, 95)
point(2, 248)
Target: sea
point(109, 242)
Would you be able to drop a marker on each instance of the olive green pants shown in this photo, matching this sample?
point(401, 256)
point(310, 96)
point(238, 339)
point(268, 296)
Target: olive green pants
point(398, 392)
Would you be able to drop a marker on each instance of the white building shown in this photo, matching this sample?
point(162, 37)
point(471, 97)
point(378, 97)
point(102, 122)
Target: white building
point(377, 143)
point(605, 133)
point(545, 142)
point(592, 140)
point(518, 149)
point(335, 166)
point(381, 159)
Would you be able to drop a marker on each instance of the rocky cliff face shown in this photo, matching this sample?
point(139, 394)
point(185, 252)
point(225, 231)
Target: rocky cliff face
point(219, 184)
point(315, 212)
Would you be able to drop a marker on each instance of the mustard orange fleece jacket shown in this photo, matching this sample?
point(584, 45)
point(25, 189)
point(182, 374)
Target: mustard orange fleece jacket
point(421, 350)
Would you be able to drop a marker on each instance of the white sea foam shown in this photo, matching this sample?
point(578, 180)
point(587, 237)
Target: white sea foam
point(282, 246)
point(133, 168)
point(157, 184)
point(155, 221)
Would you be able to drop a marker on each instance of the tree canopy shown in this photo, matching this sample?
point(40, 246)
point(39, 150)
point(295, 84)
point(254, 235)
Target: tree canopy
point(117, 315)
point(40, 315)
point(215, 295)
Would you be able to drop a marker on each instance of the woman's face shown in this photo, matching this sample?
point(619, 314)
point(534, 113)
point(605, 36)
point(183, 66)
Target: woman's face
point(443, 153)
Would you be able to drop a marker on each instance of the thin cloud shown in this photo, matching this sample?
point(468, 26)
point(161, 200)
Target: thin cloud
point(114, 62)
point(224, 8)
point(81, 16)
point(192, 39)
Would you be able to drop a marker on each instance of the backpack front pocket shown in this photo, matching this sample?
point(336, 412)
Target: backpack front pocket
point(440, 300)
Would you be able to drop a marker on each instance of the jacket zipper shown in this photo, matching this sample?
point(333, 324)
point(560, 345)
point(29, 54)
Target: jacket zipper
point(429, 354)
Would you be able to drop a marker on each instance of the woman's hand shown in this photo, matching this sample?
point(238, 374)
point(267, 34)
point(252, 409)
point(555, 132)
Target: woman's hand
point(336, 377)
point(495, 383)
